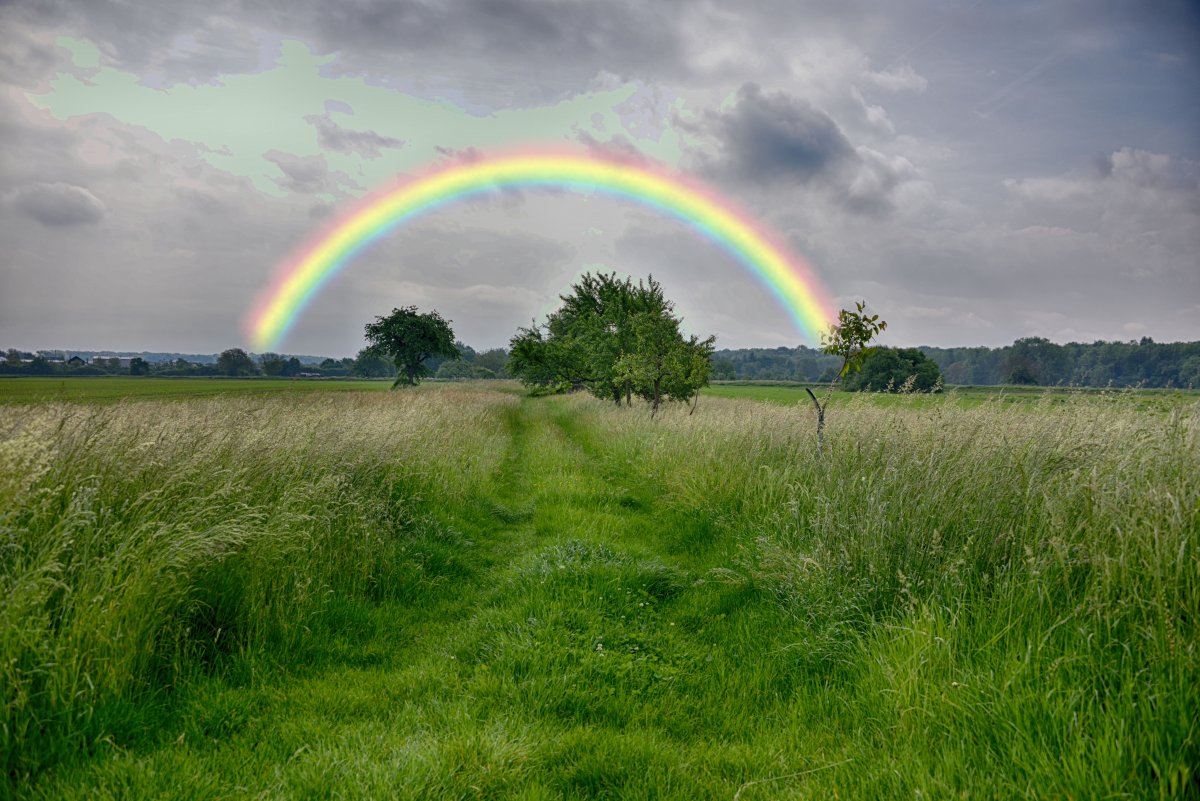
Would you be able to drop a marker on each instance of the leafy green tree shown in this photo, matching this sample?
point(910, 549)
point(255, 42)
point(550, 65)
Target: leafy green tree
point(235, 362)
point(1023, 374)
point(895, 370)
point(409, 339)
point(272, 363)
point(454, 371)
point(850, 340)
point(40, 365)
point(292, 367)
point(723, 370)
point(542, 361)
point(495, 360)
point(138, 366)
point(662, 364)
point(371, 365)
point(614, 338)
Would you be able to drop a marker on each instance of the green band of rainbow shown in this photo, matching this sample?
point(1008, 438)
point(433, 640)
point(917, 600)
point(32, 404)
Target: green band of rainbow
point(300, 278)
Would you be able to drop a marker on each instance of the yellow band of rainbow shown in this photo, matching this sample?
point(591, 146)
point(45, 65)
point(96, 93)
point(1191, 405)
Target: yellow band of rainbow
point(299, 279)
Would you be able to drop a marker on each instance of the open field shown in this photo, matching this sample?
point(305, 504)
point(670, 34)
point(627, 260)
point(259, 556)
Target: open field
point(788, 393)
point(106, 389)
point(464, 593)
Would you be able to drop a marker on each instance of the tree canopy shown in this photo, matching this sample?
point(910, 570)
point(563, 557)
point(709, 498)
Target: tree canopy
point(616, 339)
point(895, 370)
point(410, 338)
point(236, 362)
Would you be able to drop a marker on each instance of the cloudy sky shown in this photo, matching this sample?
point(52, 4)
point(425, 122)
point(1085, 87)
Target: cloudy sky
point(977, 171)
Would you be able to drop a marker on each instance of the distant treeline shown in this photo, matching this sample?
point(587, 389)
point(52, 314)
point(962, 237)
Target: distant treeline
point(1030, 361)
point(235, 362)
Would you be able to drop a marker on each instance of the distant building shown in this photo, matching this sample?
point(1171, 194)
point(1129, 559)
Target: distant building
point(75, 361)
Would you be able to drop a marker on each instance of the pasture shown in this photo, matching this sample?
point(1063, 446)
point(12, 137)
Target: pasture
point(108, 389)
point(462, 592)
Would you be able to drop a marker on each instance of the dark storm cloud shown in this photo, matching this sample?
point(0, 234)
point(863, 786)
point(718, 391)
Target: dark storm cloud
point(332, 136)
point(776, 137)
point(778, 141)
point(58, 204)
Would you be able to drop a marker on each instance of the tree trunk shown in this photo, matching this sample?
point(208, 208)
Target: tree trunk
point(820, 422)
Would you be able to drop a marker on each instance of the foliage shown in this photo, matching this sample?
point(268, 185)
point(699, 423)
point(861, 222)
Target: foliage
point(236, 362)
point(409, 339)
point(849, 339)
point(368, 364)
point(895, 370)
point(1138, 363)
point(617, 340)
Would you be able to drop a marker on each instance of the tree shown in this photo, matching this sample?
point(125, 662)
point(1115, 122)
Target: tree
point(235, 362)
point(662, 364)
point(723, 370)
point(495, 360)
point(849, 339)
point(292, 367)
point(272, 363)
point(409, 339)
point(454, 371)
point(895, 370)
point(138, 366)
point(40, 365)
point(370, 365)
point(616, 339)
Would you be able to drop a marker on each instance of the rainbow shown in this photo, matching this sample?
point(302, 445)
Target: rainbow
point(299, 279)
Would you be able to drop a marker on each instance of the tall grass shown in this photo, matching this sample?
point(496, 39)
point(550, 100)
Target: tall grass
point(1012, 590)
point(990, 600)
point(142, 543)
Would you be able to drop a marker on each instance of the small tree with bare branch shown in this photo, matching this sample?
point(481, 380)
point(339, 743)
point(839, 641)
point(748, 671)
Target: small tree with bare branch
point(850, 337)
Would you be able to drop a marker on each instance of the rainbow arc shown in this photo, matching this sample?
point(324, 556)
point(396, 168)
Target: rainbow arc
point(300, 279)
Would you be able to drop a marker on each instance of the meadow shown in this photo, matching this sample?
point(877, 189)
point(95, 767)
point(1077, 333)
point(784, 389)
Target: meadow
point(462, 592)
point(108, 389)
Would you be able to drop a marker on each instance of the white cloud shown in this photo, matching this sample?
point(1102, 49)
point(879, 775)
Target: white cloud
point(898, 79)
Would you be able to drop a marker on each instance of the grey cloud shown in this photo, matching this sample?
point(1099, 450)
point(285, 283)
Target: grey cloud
point(59, 204)
point(332, 136)
point(1133, 190)
point(532, 49)
point(618, 147)
point(775, 137)
point(899, 79)
point(777, 141)
point(307, 174)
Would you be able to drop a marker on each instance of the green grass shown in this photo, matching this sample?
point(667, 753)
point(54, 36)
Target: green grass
point(100, 389)
point(462, 593)
point(788, 393)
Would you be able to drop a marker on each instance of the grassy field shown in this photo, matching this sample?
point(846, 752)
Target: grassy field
point(107, 389)
point(788, 393)
point(465, 593)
